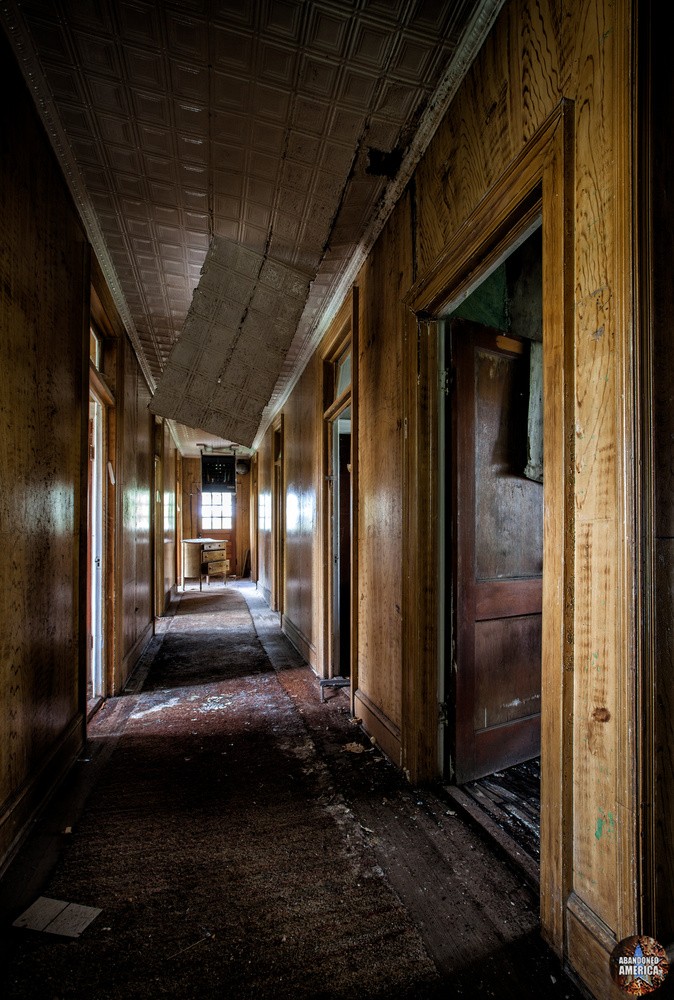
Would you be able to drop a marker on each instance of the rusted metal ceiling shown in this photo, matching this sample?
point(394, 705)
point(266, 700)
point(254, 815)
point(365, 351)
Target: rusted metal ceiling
point(285, 129)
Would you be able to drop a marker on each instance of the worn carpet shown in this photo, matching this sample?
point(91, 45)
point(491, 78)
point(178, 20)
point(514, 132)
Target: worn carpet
point(224, 860)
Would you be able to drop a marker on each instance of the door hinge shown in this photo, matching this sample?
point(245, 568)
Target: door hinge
point(444, 709)
point(446, 380)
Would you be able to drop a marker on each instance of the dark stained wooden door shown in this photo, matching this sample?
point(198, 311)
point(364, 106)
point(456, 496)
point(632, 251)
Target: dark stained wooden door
point(497, 546)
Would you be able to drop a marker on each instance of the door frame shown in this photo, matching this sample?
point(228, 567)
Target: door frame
point(278, 516)
point(96, 530)
point(99, 385)
point(538, 182)
point(332, 505)
point(342, 334)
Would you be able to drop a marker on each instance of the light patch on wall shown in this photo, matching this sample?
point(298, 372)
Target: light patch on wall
point(222, 370)
point(292, 512)
point(142, 510)
point(307, 510)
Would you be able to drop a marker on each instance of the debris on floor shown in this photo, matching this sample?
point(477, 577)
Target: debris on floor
point(357, 748)
point(56, 916)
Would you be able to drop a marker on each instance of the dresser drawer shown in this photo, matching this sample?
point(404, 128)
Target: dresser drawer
point(213, 555)
point(216, 566)
point(213, 547)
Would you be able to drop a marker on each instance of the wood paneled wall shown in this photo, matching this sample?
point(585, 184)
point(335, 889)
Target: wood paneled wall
point(302, 429)
point(539, 54)
point(242, 525)
point(383, 281)
point(169, 512)
point(44, 263)
point(265, 471)
point(191, 486)
point(239, 537)
point(658, 379)
point(137, 494)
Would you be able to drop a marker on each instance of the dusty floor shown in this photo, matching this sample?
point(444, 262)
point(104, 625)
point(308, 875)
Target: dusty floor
point(239, 846)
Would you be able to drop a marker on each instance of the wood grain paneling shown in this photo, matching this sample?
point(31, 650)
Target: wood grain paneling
point(169, 512)
point(44, 271)
point(511, 89)
point(242, 527)
point(264, 515)
point(301, 430)
point(657, 82)
point(382, 283)
point(605, 810)
point(583, 48)
point(191, 492)
point(137, 492)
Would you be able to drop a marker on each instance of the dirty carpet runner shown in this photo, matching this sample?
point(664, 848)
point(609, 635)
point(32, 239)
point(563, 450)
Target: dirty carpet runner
point(224, 861)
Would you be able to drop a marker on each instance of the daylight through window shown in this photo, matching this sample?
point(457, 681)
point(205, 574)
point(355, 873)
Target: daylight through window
point(216, 511)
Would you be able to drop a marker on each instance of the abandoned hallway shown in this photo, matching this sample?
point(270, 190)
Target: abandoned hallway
point(239, 845)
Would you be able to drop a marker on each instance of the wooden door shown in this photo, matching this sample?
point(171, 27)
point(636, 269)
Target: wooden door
point(497, 543)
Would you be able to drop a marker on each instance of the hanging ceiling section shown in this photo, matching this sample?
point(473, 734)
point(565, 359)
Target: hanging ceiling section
point(274, 126)
point(223, 369)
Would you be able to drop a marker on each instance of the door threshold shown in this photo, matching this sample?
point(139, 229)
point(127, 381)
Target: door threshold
point(93, 705)
point(512, 850)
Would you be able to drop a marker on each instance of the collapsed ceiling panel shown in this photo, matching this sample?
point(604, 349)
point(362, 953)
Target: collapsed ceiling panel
point(287, 127)
point(224, 366)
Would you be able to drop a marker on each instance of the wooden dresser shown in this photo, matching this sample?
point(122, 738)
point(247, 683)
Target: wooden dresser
point(204, 557)
point(214, 561)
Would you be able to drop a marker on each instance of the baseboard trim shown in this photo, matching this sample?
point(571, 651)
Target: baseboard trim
point(19, 811)
point(589, 945)
point(304, 646)
point(377, 724)
point(135, 653)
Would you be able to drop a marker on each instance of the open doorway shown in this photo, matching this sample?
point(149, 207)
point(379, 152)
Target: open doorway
point(95, 555)
point(341, 544)
point(494, 546)
point(278, 521)
point(339, 456)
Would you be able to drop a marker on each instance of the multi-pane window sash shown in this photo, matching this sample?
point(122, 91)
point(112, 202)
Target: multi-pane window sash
point(216, 511)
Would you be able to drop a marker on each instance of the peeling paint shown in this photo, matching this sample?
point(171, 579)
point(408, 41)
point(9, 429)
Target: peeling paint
point(605, 825)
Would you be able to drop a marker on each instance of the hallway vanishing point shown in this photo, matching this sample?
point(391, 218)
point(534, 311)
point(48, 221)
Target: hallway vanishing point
point(243, 839)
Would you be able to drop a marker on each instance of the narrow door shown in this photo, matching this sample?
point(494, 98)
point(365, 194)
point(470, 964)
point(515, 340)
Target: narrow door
point(497, 529)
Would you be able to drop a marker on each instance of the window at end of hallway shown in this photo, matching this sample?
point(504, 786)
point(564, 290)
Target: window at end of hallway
point(216, 511)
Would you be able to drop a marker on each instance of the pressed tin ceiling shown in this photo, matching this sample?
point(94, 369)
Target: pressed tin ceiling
point(279, 133)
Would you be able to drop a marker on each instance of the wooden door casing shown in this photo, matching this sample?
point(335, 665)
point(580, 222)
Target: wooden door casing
point(497, 550)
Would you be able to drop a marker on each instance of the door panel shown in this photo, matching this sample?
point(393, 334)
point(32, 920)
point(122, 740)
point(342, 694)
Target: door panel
point(497, 546)
point(507, 670)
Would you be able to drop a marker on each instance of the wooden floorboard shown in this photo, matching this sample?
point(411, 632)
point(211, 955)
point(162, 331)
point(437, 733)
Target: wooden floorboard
point(511, 799)
point(476, 905)
point(475, 911)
